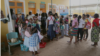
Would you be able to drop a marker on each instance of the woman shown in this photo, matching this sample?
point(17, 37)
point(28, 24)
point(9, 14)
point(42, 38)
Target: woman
point(50, 23)
point(30, 16)
point(43, 23)
point(13, 19)
point(16, 26)
point(75, 29)
point(81, 23)
point(66, 26)
point(95, 30)
point(86, 29)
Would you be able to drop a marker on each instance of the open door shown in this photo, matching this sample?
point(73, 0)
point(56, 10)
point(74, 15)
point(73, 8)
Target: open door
point(32, 8)
point(43, 8)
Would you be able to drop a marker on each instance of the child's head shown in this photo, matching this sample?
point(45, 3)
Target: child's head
point(75, 16)
point(62, 17)
point(36, 14)
point(87, 16)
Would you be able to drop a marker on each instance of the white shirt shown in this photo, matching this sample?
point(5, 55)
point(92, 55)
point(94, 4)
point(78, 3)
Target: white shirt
point(30, 16)
point(39, 18)
point(50, 20)
point(81, 22)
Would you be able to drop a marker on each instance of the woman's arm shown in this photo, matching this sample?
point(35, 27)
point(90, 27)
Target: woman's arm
point(95, 24)
point(47, 23)
point(33, 31)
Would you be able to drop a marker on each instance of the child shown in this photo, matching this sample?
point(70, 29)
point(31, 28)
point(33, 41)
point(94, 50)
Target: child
point(57, 26)
point(34, 40)
point(27, 34)
point(62, 27)
point(21, 31)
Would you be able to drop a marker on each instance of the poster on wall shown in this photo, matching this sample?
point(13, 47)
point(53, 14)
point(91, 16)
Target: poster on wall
point(57, 9)
point(64, 12)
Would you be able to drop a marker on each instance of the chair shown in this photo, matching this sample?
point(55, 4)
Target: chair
point(9, 37)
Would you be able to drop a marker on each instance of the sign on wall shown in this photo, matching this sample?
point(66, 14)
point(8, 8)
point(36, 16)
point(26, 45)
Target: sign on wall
point(64, 12)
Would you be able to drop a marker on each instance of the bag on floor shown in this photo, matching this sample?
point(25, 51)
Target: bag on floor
point(42, 45)
point(23, 47)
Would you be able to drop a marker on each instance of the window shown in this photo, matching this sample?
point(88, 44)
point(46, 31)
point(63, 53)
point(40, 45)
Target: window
point(11, 3)
point(19, 4)
point(42, 5)
point(53, 7)
point(31, 5)
point(19, 10)
point(16, 6)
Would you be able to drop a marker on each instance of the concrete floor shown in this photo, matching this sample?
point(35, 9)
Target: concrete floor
point(62, 48)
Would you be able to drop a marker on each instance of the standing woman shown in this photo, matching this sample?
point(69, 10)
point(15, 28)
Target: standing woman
point(13, 18)
point(86, 29)
point(43, 23)
point(75, 29)
point(66, 26)
point(95, 30)
point(50, 22)
point(81, 23)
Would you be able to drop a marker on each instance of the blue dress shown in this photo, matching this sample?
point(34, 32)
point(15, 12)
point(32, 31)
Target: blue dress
point(26, 41)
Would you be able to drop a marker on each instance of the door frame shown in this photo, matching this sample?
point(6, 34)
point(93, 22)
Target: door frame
point(34, 8)
point(44, 8)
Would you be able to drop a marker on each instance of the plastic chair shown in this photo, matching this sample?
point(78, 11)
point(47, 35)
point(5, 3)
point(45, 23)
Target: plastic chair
point(9, 37)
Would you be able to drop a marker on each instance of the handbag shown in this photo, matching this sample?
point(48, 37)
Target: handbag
point(42, 45)
point(13, 40)
point(23, 47)
point(88, 25)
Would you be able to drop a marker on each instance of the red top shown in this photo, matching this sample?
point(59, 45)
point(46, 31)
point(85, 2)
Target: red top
point(17, 20)
point(96, 20)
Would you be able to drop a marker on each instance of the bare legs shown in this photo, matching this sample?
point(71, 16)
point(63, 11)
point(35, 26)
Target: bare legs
point(71, 37)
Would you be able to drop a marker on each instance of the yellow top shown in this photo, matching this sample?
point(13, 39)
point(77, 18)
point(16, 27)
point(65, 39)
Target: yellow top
point(85, 22)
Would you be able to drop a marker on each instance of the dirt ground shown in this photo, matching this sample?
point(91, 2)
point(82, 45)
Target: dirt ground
point(61, 48)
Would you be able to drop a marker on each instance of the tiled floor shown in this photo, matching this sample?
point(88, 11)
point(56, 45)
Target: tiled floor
point(61, 48)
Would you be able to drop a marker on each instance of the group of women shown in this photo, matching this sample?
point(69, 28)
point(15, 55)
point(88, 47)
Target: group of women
point(80, 27)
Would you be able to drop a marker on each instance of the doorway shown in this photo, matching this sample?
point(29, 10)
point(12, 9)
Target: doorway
point(43, 8)
point(32, 8)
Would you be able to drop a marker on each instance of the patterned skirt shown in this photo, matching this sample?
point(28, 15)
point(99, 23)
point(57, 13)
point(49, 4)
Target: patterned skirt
point(95, 34)
point(74, 32)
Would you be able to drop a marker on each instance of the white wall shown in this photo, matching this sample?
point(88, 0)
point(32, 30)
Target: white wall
point(84, 2)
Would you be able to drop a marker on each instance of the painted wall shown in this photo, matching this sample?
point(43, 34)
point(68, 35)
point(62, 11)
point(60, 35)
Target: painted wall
point(4, 27)
point(57, 2)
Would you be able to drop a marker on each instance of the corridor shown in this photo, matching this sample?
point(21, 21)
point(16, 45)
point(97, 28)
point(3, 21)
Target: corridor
point(62, 48)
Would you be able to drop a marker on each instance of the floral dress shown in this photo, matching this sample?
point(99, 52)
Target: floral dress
point(57, 26)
